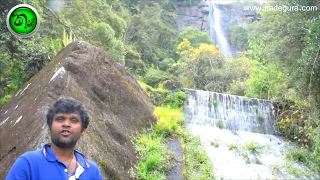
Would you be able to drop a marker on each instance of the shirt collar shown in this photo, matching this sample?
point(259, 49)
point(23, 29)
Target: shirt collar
point(50, 156)
point(48, 153)
point(81, 159)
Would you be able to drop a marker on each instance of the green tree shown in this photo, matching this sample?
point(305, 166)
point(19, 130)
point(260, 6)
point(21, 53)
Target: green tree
point(106, 27)
point(153, 77)
point(20, 58)
point(195, 36)
point(287, 45)
point(266, 82)
point(239, 36)
point(203, 67)
point(153, 33)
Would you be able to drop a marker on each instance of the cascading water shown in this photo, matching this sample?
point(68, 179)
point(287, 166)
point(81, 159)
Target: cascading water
point(239, 135)
point(217, 30)
point(236, 113)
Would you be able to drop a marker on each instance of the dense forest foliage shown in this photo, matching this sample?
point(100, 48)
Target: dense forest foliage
point(279, 58)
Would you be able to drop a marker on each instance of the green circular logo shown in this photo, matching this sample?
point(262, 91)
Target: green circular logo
point(23, 20)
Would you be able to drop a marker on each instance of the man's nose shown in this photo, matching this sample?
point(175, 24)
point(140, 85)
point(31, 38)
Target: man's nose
point(66, 122)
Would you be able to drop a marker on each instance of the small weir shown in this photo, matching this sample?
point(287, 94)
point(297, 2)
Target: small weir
point(239, 136)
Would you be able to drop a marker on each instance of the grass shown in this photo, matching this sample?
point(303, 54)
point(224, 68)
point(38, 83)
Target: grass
point(276, 168)
point(245, 149)
point(254, 147)
point(148, 88)
point(170, 121)
point(248, 147)
point(301, 155)
point(294, 157)
point(293, 169)
point(154, 160)
point(145, 86)
point(197, 162)
point(297, 155)
point(215, 143)
point(233, 147)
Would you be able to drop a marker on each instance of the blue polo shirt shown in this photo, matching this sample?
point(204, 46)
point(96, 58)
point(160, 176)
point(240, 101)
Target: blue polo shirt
point(43, 164)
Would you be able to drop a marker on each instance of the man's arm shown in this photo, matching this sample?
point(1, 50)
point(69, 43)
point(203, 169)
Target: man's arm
point(19, 170)
point(98, 175)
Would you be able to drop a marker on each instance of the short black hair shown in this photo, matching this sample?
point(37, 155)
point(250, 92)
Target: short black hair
point(68, 105)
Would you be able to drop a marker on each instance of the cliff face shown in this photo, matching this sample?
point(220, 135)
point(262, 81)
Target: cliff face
point(117, 105)
point(198, 16)
point(195, 16)
point(218, 19)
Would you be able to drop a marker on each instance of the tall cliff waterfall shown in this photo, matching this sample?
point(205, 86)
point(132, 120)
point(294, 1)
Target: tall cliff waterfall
point(218, 21)
point(239, 136)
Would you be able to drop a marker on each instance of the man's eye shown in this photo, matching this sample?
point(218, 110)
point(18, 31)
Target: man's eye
point(59, 119)
point(74, 120)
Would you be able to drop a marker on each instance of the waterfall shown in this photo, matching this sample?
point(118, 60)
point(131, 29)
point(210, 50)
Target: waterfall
point(217, 30)
point(234, 112)
point(239, 137)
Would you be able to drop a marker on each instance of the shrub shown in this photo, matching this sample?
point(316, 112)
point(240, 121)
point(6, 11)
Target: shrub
point(213, 103)
point(166, 64)
point(220, 124)
point(170, 121)
point(233, 147)
point(154, 76)
point(260, 117)
point(157, 96)
point(215, 143)
point(175, 100)
point(253, 147)
point(297, 155)
point(5, 99)
point(258, 161)
point(133, 62)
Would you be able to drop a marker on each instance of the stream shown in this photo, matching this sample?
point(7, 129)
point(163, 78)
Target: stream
point(239, 137)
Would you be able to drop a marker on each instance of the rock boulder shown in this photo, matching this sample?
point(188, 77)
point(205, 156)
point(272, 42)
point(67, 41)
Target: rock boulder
point(117, 105)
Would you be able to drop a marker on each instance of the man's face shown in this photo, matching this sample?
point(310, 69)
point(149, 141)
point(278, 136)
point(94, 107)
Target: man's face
point(66, 129)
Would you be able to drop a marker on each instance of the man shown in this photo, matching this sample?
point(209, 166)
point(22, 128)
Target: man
point(67, 120)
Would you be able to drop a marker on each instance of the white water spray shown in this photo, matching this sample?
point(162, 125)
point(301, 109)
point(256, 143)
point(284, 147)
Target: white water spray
point(238, 134)
point(235, 112)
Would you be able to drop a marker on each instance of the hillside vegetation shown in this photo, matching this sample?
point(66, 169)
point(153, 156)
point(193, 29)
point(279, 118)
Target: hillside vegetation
point(280, 60)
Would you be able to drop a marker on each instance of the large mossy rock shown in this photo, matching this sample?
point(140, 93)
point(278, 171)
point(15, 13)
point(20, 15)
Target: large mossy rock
point(119, 108)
